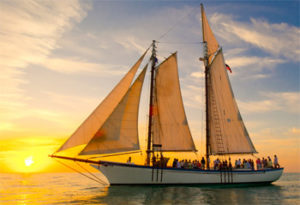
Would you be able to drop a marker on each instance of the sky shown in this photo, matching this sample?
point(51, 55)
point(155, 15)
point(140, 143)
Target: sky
point(59, 59)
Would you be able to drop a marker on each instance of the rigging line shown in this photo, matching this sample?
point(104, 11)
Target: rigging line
point(254, 156)
point(78, 172)
point(198, 42)
point(176, 24)
point(116, 154)
point(197, 156)
point(91, 173)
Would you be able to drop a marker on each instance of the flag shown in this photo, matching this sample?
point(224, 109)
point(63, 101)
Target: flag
point(228, 68)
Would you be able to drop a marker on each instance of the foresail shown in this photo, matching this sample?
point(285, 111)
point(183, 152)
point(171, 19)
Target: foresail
point(119, 133)
point(171, 128)
point(91, 125)
point(208, 37)
point(228, 134)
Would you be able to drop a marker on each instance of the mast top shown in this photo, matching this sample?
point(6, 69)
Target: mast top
point(153, 50)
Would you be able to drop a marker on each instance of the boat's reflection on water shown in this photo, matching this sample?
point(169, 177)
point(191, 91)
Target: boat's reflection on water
point(232, 194)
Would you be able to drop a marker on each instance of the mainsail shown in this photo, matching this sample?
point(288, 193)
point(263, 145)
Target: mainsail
point(228, 134)
point(119, 133)
point(87, 130)
point(171, 128)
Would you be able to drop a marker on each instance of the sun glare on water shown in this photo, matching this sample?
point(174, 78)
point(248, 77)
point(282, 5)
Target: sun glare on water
point(29, 161)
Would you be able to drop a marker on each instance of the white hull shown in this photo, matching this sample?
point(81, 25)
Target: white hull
point(122, 174)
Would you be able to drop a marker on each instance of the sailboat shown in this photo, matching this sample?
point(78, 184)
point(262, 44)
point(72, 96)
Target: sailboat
point(112, 128)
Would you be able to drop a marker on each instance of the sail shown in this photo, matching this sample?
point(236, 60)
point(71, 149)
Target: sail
point(208, 37)
point(87, 130)
point(228, 134)
point(171, 128)
point(119, 133)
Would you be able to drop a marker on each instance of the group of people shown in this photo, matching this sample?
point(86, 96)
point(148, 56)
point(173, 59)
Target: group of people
point(188, 164)
point(224, 164)
point(220, 165)
point(267, 163)
point(260, 163)
point(217, 164)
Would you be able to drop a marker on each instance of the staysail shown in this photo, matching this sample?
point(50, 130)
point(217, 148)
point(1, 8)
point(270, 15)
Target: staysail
point(87, 130)
point(228, 134)
point(171, 128)
point(119, 133)
point(208, 37)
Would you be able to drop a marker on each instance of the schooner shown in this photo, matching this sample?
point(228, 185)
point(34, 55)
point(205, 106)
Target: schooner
point(112, 128)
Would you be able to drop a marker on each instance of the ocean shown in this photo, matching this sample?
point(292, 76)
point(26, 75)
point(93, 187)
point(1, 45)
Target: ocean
point(72, 188)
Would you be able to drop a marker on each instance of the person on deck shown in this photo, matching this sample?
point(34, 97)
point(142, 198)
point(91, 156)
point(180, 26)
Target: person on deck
point(229, 164)
point(215, 164)
point(178, 165)
point(239, 163)
point(202, 163)
point(269, 163)
point(264, 163)
point(182, 163)
point(276, 164)
point(258, 164)
point(208, 162)
point(190, 164)
point(174, 162)
point(185, 165)
point(252, 164)
point(154, 160)
point(129, 160)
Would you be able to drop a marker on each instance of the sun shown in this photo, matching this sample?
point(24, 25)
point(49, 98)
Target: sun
point(28, 161)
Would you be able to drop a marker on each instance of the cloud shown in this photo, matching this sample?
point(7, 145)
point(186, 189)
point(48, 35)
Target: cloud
point(29, 33)
point(198, 74)
point(62, 100)
point(257, 63)
point(280, 40)
point(283, 101)
point(253, 67)
point(69, 66)
point(130, 42)
point(30, 29)
point(295, 131)
point(193, 96)
point(279, 44)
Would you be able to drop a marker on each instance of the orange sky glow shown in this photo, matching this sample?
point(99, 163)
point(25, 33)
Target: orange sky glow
point(38, 149)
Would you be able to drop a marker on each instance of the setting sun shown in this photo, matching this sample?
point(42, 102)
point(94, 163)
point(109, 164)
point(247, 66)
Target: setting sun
point(29, 161)
point(28, 155)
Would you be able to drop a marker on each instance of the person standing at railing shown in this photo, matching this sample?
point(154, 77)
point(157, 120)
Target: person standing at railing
point(276, 164)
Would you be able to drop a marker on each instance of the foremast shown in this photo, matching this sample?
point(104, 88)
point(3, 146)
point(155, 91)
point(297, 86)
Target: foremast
point(151, 103)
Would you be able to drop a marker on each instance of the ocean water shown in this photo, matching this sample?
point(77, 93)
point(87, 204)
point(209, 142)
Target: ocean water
point(72, 188)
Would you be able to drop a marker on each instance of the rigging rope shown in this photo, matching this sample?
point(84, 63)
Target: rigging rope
point(93, 175)
point(116, 154)
point(79, 172)
point(197, 42)
point(176, 24)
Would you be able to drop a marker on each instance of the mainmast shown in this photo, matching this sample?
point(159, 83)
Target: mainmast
point(206, 105)
point(153, 60)
point(206, 70)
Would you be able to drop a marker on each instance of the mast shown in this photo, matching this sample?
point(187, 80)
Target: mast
point(153, 60)
point(206, 70)
point(206, 106)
